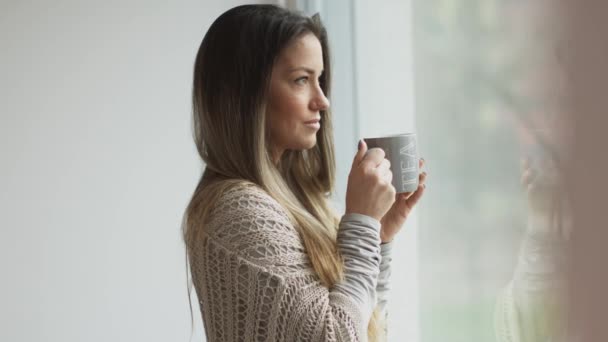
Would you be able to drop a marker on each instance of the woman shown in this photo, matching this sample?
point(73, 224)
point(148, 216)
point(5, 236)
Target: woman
point(270, 260)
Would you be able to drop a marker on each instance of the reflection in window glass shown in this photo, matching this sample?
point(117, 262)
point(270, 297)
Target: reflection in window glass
point(491, 250)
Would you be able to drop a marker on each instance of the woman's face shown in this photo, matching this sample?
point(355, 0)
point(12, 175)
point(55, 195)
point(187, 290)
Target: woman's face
point(295, 96)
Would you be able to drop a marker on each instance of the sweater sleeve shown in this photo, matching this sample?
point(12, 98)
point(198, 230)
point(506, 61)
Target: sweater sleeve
point(255, 281)
point(383, 287)
point(531, 306)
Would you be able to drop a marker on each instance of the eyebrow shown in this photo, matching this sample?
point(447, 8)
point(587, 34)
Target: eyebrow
point(308, 70)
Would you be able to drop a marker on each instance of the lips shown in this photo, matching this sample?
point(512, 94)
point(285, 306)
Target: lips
point(313, 121)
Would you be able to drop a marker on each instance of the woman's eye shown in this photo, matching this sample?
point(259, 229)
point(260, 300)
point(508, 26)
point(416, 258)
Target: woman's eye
point(304, 80)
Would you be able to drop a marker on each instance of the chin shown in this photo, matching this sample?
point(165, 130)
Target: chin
point(306, 144)
point(312, 144)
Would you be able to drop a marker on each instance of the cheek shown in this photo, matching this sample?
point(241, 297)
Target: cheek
point(288, 110)
point(292, 104)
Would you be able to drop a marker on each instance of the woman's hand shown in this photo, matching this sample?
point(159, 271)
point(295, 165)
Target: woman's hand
point(369, 190)
point(541, 183)
point(548, 207)
point(398, 213)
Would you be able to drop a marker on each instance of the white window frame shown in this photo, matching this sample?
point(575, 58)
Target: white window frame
point(372, 94)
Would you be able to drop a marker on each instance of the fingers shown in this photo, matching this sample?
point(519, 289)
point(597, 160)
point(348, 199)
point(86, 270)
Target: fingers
point(422, 179)
point(526, 177)
point(374, 157)
point(361, 151)
point(528, 173)
point(415, 196)
point(413, 199)
point(384, 170)
point(421, 186)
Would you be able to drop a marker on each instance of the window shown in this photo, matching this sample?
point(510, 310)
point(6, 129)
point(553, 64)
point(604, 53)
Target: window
point(470, 79)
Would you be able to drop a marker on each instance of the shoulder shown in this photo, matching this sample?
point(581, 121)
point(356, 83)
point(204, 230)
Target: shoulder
point(247, 209)
point(247, 199)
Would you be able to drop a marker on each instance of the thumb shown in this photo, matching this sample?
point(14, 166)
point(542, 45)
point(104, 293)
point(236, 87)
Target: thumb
point(362, 149)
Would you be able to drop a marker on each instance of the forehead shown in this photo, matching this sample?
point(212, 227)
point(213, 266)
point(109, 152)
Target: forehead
point(304, 51)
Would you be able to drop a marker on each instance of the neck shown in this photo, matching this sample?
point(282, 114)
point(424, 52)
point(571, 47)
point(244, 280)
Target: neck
point(276, 156)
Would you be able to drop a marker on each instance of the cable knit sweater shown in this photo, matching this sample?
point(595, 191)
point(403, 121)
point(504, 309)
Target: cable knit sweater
point(255, 281)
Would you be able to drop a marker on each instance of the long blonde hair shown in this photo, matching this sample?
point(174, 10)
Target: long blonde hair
point(231, 80)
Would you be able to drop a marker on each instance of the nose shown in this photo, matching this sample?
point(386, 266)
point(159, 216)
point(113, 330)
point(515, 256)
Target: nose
point(320, 101)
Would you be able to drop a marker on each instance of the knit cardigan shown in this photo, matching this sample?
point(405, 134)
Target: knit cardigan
point(255, 282)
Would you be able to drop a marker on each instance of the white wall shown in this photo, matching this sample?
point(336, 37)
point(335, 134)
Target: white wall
point(97, 167)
